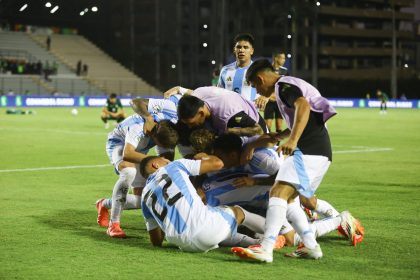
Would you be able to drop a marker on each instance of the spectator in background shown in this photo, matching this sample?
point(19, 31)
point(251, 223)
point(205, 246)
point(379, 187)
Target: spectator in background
point(79, 68)
point(48, 42)
point(271, 110)
point(85, 70)
point(54, 68)
point(383, 97)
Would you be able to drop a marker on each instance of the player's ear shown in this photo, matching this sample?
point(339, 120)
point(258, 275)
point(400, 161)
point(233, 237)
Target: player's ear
point(155, 165)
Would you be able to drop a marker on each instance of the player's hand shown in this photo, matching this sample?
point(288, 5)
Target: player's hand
point(201, 156)
point(246, 155)
point(260, 102)
point(170, 92)
point(148, 125)
point(288, 147)
point(243, 182)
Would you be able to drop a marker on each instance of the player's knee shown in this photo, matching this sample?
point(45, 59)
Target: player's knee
point(282, 190)
point(128, 174)
point(309, 203)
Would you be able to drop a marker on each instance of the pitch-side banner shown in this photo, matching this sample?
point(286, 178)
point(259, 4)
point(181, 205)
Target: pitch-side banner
point(99, 101)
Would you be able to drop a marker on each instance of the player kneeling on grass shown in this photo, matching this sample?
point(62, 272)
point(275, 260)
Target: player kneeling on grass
point(173, 210)
point(113, 110)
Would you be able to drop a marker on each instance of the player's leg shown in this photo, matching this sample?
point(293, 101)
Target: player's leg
point(105, 118)
point(319, 206)
point(127, 172)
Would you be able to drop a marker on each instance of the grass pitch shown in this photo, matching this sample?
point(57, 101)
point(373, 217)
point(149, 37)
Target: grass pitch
point(48, 224)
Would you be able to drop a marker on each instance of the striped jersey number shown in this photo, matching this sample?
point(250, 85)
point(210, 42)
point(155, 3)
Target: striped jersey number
point(171, 201)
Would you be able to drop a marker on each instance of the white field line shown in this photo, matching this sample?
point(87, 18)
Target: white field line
point(55, 131)
point(54, 168)
point(371, 150)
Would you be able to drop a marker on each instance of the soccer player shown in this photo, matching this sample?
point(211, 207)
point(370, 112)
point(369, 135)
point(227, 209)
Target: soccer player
point(127, 145)
point(383, 97)
point(223, 110)
point(113, 110)
point(309, 154)
point(172, 209)
point(271, 111)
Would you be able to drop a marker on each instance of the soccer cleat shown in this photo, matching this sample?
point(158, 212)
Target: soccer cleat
point(114, 230)
point(312, 215)
point(348, 228)
point(280, 241)
point(253, 253)
point(306, 253)
point(103, 215)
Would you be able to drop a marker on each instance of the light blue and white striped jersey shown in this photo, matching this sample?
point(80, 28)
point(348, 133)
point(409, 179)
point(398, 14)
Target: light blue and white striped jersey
point(170, 201)
point(220, 191)
point(233, 78)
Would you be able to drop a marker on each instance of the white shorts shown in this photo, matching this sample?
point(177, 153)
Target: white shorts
point(304, 172)
point(115, 155)
point(218, 224)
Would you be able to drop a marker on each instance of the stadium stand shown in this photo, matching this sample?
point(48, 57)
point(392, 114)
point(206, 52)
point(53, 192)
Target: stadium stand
point(104, 72)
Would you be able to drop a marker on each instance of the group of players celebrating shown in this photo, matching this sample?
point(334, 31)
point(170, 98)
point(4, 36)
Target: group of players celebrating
point(238, 184)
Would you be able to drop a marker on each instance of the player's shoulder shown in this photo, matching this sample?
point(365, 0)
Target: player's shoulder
point(229, 66)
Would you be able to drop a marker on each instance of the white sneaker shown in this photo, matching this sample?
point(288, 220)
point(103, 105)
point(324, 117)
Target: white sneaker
point(106, 125)
point(303, 252)
point(253, 253)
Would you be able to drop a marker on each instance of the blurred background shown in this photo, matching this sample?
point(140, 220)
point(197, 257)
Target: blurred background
point(346, 48)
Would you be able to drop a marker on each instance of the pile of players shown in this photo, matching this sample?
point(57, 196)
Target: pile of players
point(238, 184)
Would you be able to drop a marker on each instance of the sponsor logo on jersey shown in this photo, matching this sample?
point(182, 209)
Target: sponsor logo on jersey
point(238, 119)
point(229, 79)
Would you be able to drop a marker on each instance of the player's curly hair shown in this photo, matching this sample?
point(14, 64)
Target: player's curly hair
point(166, 133)
point(202, 140)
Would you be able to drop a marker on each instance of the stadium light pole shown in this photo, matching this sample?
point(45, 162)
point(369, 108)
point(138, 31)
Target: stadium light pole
point(394, 53)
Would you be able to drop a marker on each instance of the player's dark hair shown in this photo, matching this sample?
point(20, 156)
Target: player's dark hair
point(278, 52)
point(244, 37)
point(188, 106)
point(113, 95)
point(202, 140)
point(143, 165)
point(227, 143)
point(257, 66)
point(166, 133)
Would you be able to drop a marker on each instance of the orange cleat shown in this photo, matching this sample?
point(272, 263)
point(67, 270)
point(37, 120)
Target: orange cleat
point(280, 242)
point(114, 230)
point(253, 253)
point(103, 215)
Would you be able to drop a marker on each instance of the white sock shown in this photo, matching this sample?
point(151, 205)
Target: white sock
point(253, 221)
point(285, 228)
point(276, 215)
point(298, 219)
point(107, 203)
point(132, 202)
point(239, 239)
point(321, 227)
point(325, 226)
point(325, 209)
point(119, 194)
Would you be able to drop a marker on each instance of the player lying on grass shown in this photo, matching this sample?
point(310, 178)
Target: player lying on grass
point(248, 185)
point(126, 146)
point(172, 209)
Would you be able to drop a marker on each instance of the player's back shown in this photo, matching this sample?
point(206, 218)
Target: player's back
point(122, 128)
point(171, 200)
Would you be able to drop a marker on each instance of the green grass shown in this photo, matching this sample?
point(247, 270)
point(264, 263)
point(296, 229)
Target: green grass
point(48, 224)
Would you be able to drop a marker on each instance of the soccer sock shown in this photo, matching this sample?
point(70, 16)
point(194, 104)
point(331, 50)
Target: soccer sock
point(239, 239)
point(321, 227)
point(325, 226)
point(119, 193)
point(325, 209)
point(107, 203)
point(285, 228)
point(276, 215)
point(132, 202)
point(253, 221)
point(298, 219)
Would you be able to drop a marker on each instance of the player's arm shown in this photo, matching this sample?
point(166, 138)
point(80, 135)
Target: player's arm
point(156, 237)
point(140, 106)
point(209, 163)
point(250, 181)
point(131, 155)
point(294, 98)
point(243, 125)
point(177, 90)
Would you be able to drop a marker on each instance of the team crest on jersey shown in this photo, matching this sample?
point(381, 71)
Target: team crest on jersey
point(206, 186)
point(229, 79)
